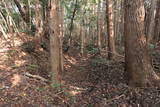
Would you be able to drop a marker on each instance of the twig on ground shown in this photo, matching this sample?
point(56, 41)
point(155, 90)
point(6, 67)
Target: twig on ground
point(116, 54)
point(35, 76)
point(115, 98)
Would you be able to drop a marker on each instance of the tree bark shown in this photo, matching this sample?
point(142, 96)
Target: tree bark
point(39, 28)
point(138, 66)
point(157, 23)
point(82, 40)
point(55, 43)
point(110, 30)
point(151, 21)
point(99, 25)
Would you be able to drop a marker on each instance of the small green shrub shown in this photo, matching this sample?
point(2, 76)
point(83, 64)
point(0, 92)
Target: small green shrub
point(32, 66)
point(40, 89)
point(11, 53)
point(99, 61)
point(152, 46)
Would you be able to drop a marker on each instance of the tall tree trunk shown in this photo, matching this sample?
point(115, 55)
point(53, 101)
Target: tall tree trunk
point(38, 19)
point(151, 21)
point(61, 14)
point(23, 11)
point(82, 40)
point(55, 43)
point(72, 22)
point(122, 24)
point(110, 29)
point(157, 23)
point(99, 25)
point(138, 67)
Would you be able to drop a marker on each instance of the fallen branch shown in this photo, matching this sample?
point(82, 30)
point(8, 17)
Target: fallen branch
point(116, 54)
point(35, 76)
point(115, 98)
point(4, 87)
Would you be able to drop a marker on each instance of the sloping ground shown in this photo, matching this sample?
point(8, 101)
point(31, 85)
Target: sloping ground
point(89, 81)
point(17, 89)
point(100, 83)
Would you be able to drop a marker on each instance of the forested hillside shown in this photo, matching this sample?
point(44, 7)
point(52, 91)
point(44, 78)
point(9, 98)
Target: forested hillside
point(80, 53)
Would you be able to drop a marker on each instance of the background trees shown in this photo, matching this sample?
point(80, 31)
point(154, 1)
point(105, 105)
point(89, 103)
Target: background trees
point(84, 23)
point(82, 49)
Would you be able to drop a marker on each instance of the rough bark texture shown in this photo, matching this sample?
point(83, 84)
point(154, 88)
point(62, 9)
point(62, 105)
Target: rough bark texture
point(138, 66)
point(110, 29)
point(39, 28)
point(157, 23)
point(99, 25)
point(82, 40)
point(150, 22)
point(55, 43)
point(38, 14)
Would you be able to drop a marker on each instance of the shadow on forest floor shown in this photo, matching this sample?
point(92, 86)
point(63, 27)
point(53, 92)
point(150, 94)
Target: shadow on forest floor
point(89, 81)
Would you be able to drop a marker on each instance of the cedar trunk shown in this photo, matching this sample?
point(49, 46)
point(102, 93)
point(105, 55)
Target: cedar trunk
point(99, 25)
point(157, 23)
point(110, 29)
point(138, 67)
point(55, 43)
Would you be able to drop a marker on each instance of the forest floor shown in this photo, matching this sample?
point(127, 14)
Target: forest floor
point(89, 81)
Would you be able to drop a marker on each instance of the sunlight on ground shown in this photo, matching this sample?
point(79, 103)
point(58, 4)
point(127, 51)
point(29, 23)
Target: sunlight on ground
point(75, 90)
point(24, 54)
point(67, 66)
point(4, 67)
point(71, 60)
point(17, 80)
point(19, 63)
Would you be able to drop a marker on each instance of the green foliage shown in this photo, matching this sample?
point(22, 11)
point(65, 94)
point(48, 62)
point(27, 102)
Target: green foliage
point(25, 1)
point(29, 32)
point(32, 66)
point(40, 89)
point(90, 105)
point(80, 69)
point(98, 61)
point(94, 1)
point(33, 30)
point(10, 53)
point(152, 46)
point(56, 85)
point(16, 17)
point(44, 1)
point(28, 47)
point(92, 49)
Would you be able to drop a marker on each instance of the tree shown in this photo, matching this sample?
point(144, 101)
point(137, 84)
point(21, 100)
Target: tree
point(55, 43)
point(99, 25)
point(150, 22)
point(72, 20)
point(38, 18)
point(138, 67)
point(157, 23)
point(24, 11)
point(110, 29)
